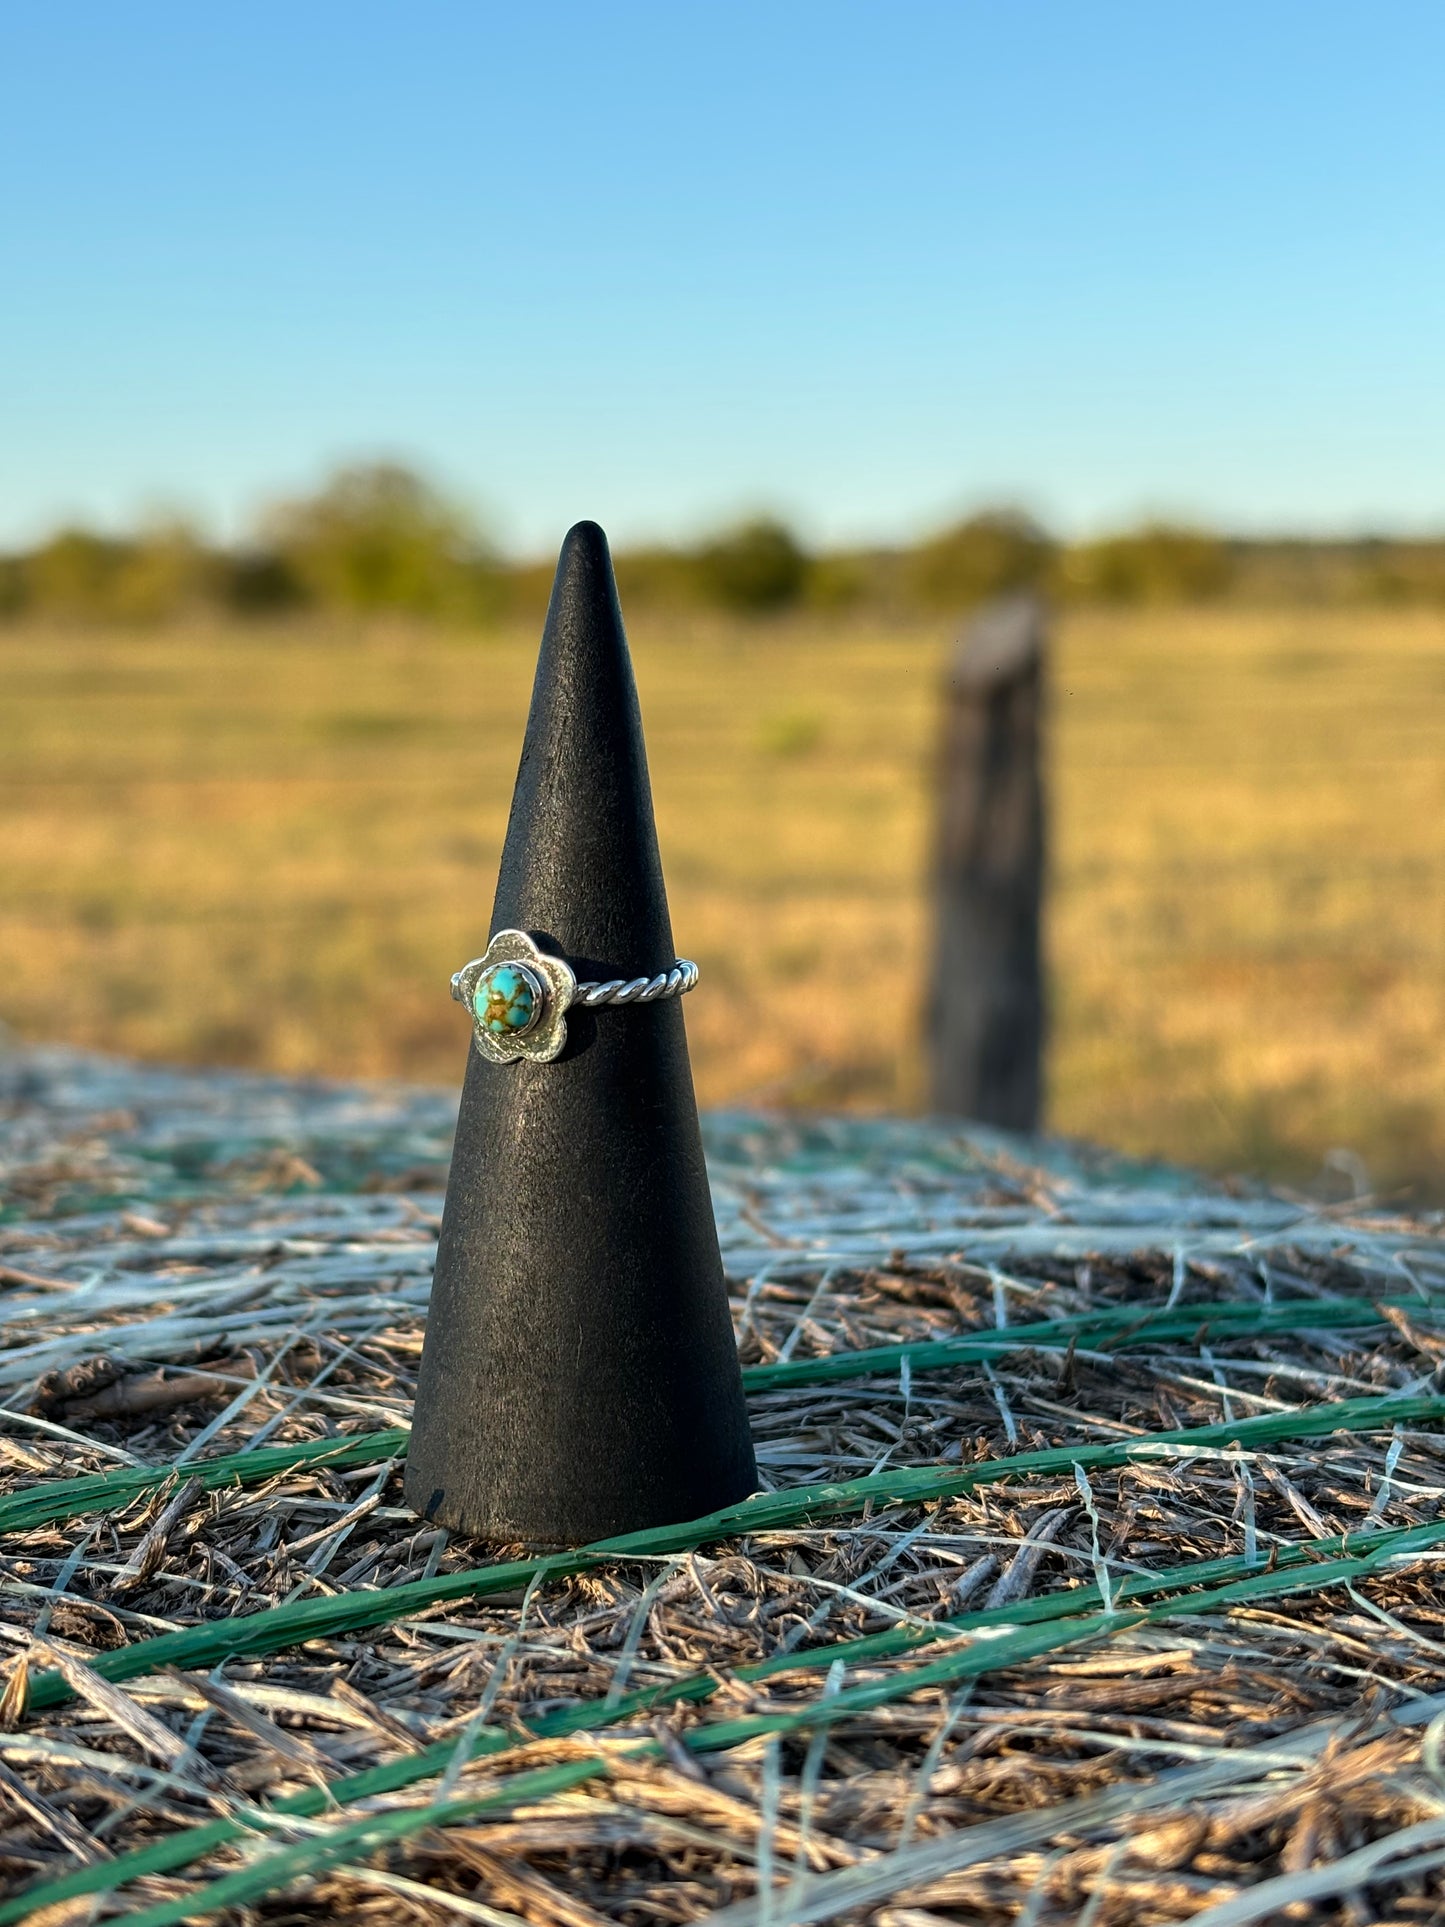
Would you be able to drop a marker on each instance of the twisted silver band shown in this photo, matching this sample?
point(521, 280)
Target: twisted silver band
point(676, 982)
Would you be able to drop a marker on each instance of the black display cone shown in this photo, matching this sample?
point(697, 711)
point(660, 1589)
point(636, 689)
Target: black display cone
point(579, 1376)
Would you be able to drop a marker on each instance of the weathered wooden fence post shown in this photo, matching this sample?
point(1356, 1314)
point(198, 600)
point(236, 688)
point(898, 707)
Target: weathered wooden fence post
point(986, 1009)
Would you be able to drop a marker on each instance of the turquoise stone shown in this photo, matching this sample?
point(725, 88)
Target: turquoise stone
point(506, 1000)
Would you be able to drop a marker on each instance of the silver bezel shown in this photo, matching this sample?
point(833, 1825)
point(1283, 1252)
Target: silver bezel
point(548, 1033)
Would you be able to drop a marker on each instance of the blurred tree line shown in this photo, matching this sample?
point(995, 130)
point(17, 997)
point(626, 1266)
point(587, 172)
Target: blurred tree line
point(379, 539)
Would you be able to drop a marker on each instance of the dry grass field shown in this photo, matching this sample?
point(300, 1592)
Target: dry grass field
point(273, 847)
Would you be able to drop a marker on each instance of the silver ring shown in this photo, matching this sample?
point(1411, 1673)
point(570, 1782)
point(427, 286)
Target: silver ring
point(519, 996)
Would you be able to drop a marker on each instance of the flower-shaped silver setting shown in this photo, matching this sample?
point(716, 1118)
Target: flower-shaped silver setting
point(549, 981)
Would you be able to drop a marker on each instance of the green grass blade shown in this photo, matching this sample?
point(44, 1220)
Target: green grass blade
point(357, 1839)
point(104, 1492)
point(278, 1627)
point(1123, 1327)
point(190, 1844)
point(270, 1873)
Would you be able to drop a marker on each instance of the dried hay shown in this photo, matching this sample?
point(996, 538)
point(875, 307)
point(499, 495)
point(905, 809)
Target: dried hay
point(992, 1647)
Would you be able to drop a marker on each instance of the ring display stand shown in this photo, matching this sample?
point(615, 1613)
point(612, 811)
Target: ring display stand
point(580, 1376)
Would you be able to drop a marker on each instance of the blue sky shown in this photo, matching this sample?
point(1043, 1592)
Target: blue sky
point(868, 265)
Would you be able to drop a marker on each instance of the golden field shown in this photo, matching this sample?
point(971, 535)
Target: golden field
point(272, 847)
